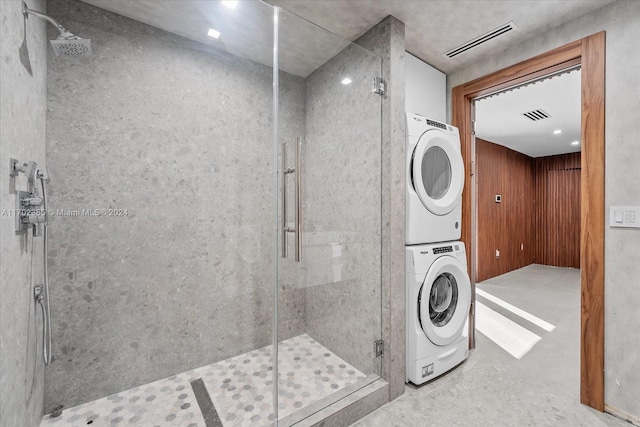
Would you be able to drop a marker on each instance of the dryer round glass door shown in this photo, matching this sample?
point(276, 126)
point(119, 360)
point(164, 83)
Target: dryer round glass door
point(437, 171)
point(444, 300)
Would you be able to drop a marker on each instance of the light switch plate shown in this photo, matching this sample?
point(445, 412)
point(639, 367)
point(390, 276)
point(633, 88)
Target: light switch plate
point(624, 216)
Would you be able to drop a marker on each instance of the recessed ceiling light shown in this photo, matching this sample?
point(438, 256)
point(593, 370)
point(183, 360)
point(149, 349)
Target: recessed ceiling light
point(575, 143)
point(346, 81)
point(557, 131)
point(213, 33)
point(231, 4)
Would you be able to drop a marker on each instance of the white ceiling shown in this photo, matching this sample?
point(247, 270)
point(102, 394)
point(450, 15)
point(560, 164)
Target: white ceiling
point(499, 118)
point(432, 26)
point(246, 30)
point(435, 26)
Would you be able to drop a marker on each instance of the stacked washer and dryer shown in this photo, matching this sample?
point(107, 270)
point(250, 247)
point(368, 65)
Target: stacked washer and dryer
point(438, 285)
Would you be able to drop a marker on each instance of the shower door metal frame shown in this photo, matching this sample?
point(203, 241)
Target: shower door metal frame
point(276, 241)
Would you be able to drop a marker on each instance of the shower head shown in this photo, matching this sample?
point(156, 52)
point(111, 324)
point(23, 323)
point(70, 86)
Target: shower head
point(66, 43)
point(71, 46)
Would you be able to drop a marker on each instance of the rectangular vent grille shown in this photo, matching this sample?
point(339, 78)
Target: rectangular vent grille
point(503, 29)
point(536, 115)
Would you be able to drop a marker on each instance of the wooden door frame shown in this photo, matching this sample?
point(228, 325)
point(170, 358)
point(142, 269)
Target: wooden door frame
point(589, 53)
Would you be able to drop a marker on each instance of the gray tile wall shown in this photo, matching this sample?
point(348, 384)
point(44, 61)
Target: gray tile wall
point(621, 22)
point(22, 136)
point(180, 135)
point(387, 40)
point(342, 207)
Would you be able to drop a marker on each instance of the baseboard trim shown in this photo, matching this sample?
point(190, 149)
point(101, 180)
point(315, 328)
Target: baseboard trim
point(619, 413)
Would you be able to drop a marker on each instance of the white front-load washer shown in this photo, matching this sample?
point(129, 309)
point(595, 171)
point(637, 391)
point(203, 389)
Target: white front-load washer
point(438, 301)
point(435, 178)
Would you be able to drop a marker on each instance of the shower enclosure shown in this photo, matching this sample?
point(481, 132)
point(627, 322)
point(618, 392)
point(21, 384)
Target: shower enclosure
point(215, 236)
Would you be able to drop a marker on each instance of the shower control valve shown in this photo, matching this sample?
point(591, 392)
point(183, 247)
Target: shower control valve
point(36, 218)
point(29, 212)
point(32, 201)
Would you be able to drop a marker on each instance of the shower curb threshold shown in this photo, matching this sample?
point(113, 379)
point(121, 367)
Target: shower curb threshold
point(349, 409)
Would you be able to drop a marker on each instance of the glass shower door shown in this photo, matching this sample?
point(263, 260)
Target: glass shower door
point(329, 272)
point(162, 255)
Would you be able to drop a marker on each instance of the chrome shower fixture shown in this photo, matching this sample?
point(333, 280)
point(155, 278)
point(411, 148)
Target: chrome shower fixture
point(67, 43)
point(29, 205)
point(30, 169)
point(31, 211)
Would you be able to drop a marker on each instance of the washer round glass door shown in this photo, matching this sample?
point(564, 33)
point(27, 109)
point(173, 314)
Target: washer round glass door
point(444, 300)
point(437, 172)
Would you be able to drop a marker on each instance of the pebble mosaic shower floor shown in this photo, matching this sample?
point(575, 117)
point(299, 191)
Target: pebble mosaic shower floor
point(240, 389)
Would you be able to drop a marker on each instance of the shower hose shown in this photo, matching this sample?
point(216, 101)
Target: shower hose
point(42, 295)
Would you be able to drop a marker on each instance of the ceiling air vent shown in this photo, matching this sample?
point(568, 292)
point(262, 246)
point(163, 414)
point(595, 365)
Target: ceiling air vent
point(503, 29)
point(536, 115)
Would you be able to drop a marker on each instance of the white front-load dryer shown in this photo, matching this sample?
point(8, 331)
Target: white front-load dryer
point(438, 301)
point(435, 178)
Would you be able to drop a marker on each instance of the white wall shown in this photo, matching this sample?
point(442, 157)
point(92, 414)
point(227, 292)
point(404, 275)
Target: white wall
point(621, 21)
point(425, 90)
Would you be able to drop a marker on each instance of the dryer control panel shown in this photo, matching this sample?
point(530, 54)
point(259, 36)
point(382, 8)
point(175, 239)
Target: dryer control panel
point(443, 250)
point(420, 257)
point(417, 125)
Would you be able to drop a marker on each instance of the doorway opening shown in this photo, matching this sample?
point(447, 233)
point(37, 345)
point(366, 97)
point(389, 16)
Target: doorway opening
point(527, 175)
point(589, 54)
point(527, 234)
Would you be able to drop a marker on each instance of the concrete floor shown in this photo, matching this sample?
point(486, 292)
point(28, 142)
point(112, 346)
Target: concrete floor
point(494, 388)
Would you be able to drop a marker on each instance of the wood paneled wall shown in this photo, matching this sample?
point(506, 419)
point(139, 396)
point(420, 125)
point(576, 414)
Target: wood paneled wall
point(538, 219)
point(557, 210)
point(506, 226)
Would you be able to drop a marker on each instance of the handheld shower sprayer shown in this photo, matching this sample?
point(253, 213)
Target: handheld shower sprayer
point(67, 43)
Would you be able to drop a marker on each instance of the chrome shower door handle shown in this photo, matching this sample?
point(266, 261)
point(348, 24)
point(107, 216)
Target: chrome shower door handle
point(283, 183)
point(298, 208)
point(297, 228)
